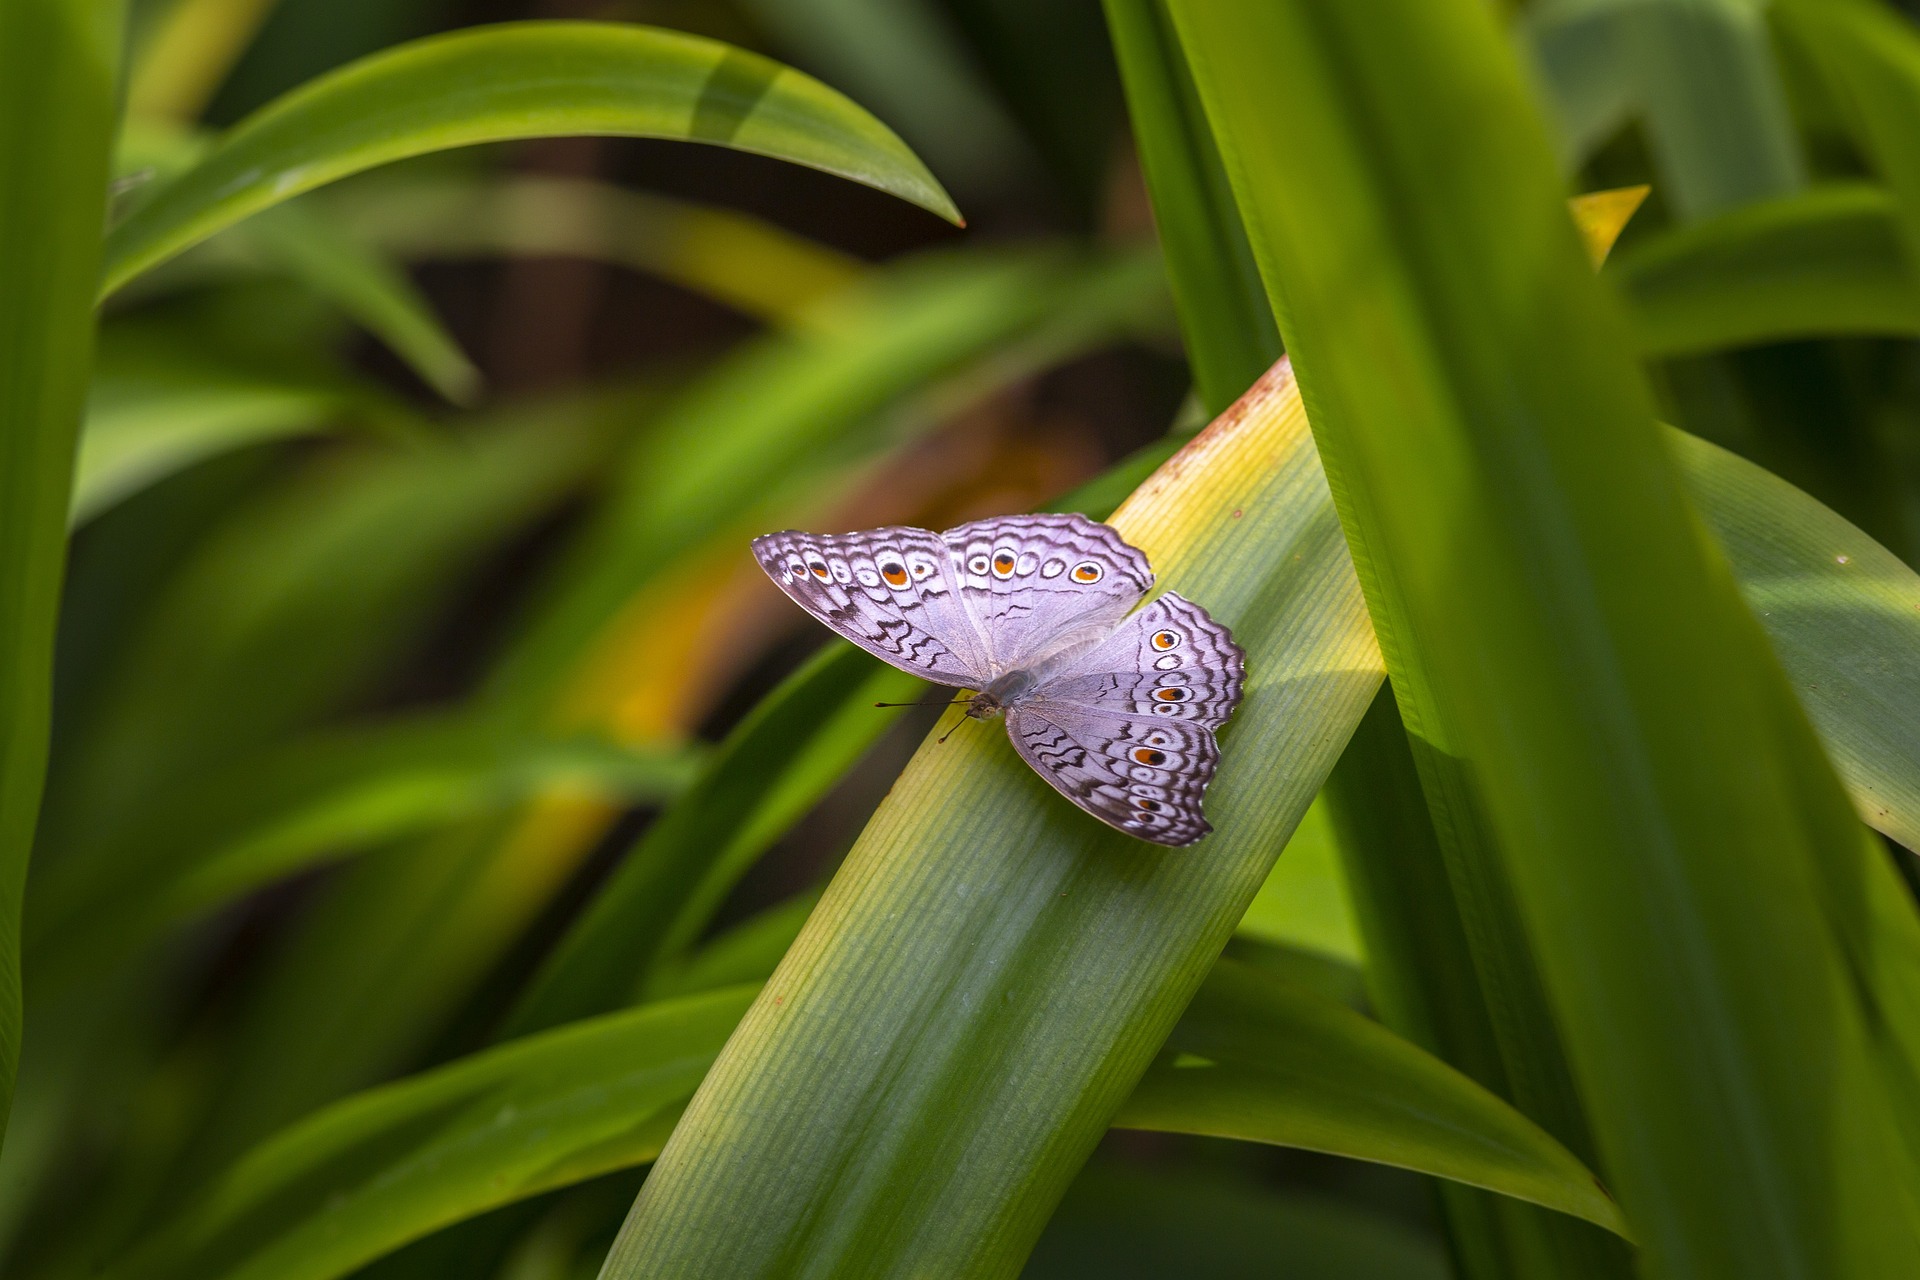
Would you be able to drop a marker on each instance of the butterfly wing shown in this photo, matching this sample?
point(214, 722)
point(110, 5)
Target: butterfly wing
point(894, 592)
point(1143, 775)
point(1125, 730)
point(1041, 584)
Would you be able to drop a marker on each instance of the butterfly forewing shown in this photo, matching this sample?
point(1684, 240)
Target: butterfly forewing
point(894, 592)
point(1043, 583)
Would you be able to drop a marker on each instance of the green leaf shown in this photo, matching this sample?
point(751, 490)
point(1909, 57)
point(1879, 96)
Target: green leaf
point(1231, 338)
point(516, 80)
point(1869, 57)
point(771, 770)
point(990, 971)
point(1843, 614)
point(1304, 902)
point(1583, 683)
point(1254, 1058)
point(293, 603)
point(1699, 73)
point(370, 290)
point(158, 406)
point(364, 1176)
point(58, 85)
point(1261, 1059)
point(749, 264)
point(1827, 261)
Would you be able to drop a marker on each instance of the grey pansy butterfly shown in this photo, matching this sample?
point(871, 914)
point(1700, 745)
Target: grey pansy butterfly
point(1115, 707)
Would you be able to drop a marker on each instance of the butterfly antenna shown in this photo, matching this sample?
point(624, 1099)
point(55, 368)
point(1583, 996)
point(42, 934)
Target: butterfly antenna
point(949, 733)
point(956, 702)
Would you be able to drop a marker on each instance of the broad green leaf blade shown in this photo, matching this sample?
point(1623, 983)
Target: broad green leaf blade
point(1261, 1059)
point(58, 85)
point(376, 295)
point(516, 80)
point(364, 1176)
point(1581, 677)
point(1827, 261)
point(323, 799)
point(1231, 337)
point(1423, 981)
point(990, 971)
point(767, 775)
point(1843, 614)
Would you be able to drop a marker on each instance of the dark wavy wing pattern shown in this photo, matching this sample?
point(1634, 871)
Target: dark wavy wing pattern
point(1143, 776)
point(1169, 661)
point(1043, 583)
point(891, 591)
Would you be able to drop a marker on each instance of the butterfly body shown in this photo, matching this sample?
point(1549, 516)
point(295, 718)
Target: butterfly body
point(1112, 705)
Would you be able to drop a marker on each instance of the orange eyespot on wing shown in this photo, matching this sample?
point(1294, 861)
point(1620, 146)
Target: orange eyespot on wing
point(1165, 640)
point(1147, 755)
point(1174, 694)
point(1087, 571)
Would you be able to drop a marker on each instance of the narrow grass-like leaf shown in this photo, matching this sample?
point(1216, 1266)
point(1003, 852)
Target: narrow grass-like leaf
point(1254, 1058)
point(158, 405)
point(1581, 677)
point(1262, 1059)
point(319, 800)
point(388, 1166)
point(292, 604)
point(1826, 261)
point(990, 972)
point(770, 771)
point(517, 80)
point(370, 290)
point(58, 82)
point(1700, 74)
point(1231, 337)
point(1869, 57)
point(759, 268)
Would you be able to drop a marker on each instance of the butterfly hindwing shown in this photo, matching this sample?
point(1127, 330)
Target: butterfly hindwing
point(1042, 583)
point(1144, 776)
point(1169, 661)
point(891, 591)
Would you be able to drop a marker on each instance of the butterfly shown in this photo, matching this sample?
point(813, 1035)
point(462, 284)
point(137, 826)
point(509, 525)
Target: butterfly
point(1115, 707)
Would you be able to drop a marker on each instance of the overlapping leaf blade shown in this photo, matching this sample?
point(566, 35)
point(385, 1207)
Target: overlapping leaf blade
point(1580, 677)
point(516, 80)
